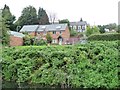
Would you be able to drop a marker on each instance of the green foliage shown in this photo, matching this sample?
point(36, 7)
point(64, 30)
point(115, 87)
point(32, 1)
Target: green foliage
point(40, 42)
point(111, 26)
point(42, 17)
point(28, 40)
point(49, 38)
point(65, 21)
point(105, 37)
point(4, 33)
point(101, 28)
point(73, 33)
point(28, 17)
point(92, 30)
point(118, 29)
point(87, 65)
point(8, 18)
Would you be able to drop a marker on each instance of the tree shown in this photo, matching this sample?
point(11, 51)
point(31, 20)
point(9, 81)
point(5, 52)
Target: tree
point(42, 16)
point(28, 17)
point(73, 33)
point(4, 32)
point(8, 17)
point(101, 28)
point(49, 38)
point(111, 26)
point(65, 21)
point(92, 30)
point(118, 29)
point(52, 17)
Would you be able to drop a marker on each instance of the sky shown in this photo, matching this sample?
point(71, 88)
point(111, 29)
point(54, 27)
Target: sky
point(95, 12)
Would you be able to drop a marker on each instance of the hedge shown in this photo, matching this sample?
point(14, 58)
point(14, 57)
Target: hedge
point(104, 37)
point(91, 65)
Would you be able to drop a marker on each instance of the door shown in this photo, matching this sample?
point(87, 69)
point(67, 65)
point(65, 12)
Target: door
point(60, 41)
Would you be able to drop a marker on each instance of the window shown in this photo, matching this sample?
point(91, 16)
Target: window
point(58, 27)
point(83, 27)
point(54, 41)
point(54, 32)
point(60, 32)
point(79, 27)
point(43, 27)
point(71, 27)
point(74, 27)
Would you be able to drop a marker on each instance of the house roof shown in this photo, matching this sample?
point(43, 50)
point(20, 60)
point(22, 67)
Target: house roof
point(52, 27)
point(39, 28)
point(17, 34)
point(29, 28)
point(78, 23)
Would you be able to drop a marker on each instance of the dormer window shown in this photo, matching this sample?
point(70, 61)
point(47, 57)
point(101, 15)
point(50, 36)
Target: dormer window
point(58, 27)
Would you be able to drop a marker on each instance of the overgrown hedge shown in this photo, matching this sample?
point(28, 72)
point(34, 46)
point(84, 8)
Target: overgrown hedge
point(91, 65)
point(104, 37)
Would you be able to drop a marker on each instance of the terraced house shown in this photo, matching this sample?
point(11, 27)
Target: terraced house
point(59, 32)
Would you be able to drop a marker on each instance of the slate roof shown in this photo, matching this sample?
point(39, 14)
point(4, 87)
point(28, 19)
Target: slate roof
point(29, 28)
point(39, 28)
point(78, 23)
point(17, 34)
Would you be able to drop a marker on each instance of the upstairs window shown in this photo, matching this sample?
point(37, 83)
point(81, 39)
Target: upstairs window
point(54, 32)
point(60, 32)
point(79, 27)
point(74, 27)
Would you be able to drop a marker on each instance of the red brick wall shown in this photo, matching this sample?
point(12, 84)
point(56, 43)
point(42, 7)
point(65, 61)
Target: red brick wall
point(16, 41)
point(65, 35)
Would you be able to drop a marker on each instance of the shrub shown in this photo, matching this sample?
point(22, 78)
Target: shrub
point(40, 42)
point(91, 65)
point(28, 40)
point(105, 37)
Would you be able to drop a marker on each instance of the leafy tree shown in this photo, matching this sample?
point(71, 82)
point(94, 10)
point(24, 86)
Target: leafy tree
point(28, 17)
point(92, 30)
point(49, 38)
point(101, 28)
point(118, 29)
point(73, 33)
point(42, 16)
point(111, 26)
point(4, 36)
point(8, 17)
point(65, 21)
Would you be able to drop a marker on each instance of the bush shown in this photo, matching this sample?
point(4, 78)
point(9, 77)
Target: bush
point(91, 65)
point(104, 37)
point(40, 42)
point(28, 40)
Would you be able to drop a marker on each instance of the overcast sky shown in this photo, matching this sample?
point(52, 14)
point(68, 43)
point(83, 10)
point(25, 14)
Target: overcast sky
point(93, 11)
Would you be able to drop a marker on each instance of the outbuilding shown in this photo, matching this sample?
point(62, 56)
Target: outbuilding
point(16, 38)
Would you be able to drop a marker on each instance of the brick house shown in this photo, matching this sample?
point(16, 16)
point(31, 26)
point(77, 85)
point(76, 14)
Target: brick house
point(16, 38)
point(59, 32)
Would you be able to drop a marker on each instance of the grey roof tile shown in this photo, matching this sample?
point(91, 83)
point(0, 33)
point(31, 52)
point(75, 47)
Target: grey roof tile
point(29, 28)
point(17, 34)
point(78, 23)
point(39, 28)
